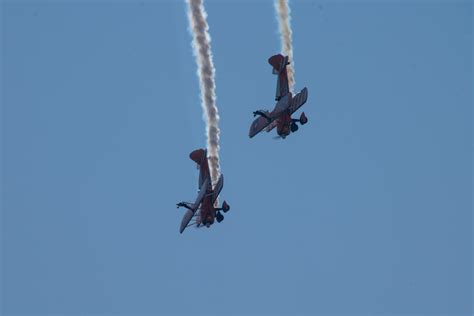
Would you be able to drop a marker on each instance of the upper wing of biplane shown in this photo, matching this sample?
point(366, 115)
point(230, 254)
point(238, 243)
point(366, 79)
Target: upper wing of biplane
point(259, 124)
point(279, 62)
point(298, 100)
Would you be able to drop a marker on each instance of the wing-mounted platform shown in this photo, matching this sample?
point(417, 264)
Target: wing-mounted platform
point(279, 63)
point(298, 100)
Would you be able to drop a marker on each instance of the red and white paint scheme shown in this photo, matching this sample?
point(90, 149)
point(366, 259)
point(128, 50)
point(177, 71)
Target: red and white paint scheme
point(203, 210)
point(286, 105)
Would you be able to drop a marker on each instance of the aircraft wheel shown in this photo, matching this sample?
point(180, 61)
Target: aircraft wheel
point(303, 119)
point(294, 127)
point(225, 207)
point(219, 217)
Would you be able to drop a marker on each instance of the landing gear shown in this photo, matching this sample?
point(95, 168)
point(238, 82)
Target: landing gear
point(294, 127)
point(219, 217)
point(225, 207)
point(303, 119)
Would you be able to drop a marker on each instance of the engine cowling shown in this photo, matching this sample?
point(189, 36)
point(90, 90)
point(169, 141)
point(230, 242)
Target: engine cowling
point(303, 119)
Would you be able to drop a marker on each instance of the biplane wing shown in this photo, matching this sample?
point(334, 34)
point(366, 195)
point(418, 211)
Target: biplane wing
point(185, 221)
point(217, 189)
point(271, 126)
point(191, 211)
point(298, 100)
point(258, 125)
point(202, 193)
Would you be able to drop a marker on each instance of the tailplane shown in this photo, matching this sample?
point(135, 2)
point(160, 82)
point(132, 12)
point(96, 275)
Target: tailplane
point(278, 62)
point(198, 155)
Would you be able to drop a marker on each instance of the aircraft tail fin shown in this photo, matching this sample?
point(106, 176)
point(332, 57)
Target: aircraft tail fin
point(278, 62)
point(198, 155)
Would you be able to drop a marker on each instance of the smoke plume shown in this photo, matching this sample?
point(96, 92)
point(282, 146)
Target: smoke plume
point(202, 51)
point(284, 19)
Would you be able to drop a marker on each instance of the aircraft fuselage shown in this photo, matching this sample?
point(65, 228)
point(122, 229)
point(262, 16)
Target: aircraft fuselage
point(207, 210)
point(283, 124)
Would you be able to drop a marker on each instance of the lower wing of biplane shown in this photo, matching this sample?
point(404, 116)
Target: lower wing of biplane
point(260, 123)
point(298, 100)
point(193, 207)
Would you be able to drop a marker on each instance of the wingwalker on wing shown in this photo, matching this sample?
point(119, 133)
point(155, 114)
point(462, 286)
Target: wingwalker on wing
point(286, 105)
point(203, 210)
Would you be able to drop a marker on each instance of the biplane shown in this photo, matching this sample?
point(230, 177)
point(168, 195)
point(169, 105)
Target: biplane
point(203, 211)
point(287, 104)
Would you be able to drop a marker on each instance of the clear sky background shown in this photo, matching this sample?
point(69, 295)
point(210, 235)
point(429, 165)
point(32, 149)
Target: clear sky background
point(367, 209)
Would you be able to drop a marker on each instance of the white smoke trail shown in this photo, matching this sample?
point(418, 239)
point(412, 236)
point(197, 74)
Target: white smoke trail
point(284, 19)
point(202, 50)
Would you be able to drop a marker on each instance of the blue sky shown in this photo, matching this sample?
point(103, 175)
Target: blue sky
point(367, 209)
